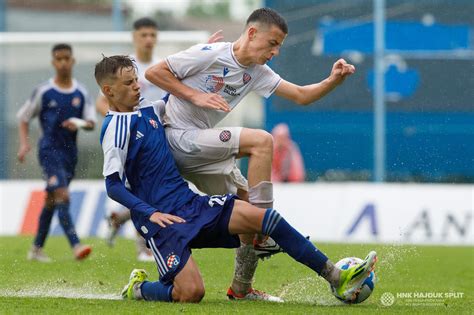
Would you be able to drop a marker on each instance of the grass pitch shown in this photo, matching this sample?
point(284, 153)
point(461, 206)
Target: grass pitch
point(421, 279)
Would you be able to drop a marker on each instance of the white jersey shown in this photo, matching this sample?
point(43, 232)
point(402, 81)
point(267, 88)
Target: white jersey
point(213, 68)
point(148, 90)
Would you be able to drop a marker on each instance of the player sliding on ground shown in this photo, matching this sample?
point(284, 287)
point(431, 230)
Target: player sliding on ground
point(141, 174)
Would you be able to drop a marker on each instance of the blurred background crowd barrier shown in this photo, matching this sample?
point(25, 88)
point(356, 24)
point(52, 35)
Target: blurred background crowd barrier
point(429, 86)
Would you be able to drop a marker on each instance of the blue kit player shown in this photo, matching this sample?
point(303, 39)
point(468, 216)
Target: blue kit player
point(141, 174)
point(62, 106)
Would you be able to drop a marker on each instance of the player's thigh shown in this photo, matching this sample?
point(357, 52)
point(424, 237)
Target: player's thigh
point(246, 218)
point(188, 283)
point(254, 139)
point(208, 151)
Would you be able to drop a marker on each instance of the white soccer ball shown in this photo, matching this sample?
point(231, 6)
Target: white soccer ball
point(361, 294)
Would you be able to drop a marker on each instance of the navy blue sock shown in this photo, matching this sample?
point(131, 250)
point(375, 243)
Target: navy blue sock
point(157, 291)
point(292, 242)
point(43, 226)
point(67, 224)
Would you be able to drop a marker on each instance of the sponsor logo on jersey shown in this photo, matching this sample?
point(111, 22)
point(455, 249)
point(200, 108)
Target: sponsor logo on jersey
point(225, 135)
point(246, 78)
point(172, 261)
point(153, 123)
point(230, 90)
point(76, 101)
point(214, 83)
point(206, 48)
point(139, 135)
point(225, 71)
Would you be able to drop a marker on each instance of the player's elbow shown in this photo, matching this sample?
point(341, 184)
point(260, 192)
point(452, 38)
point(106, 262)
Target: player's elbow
point(155, 74)
point(301, 97)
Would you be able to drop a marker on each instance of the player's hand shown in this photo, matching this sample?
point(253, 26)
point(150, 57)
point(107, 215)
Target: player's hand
point(216, 37)
point(69, 125)
point(211, 101)
point(163, 219)
point(341, 70)
point(23, 151)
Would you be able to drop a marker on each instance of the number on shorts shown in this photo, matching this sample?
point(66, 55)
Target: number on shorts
point(219, 199)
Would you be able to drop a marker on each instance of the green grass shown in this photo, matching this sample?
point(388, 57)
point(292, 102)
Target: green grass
point(90, 286)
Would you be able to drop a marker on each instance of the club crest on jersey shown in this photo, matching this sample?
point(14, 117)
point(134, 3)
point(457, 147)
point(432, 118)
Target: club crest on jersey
point(206, 48)
point(76, 101)
point(246, 78)
point(225, 135)
point(214, 83)
point(172, 261)
point(153, 123)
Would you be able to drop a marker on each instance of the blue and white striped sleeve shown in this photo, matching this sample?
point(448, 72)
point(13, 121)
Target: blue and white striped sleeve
point(115, 143)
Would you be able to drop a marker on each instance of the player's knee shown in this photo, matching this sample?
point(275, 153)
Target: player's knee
point(263, 143)
point(61, 195)
point(193, 293)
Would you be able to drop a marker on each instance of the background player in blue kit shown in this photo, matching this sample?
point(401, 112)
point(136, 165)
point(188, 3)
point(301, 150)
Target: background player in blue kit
point(141, 174)
point(63, 106)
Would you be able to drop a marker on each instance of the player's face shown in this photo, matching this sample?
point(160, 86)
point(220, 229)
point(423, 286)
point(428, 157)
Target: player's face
point(63, 61)
point(145, 39)
point(125, 91)
point(265, 43)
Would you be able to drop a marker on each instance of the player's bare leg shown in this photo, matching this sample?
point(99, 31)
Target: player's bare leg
point(188, 284)
point(258, 146)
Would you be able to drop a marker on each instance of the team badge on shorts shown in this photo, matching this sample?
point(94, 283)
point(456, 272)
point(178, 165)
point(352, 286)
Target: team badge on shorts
point(225, 135)
point(172, 261)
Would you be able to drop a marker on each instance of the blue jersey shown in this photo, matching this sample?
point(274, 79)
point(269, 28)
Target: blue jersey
point(53, 105)
point(135, 147)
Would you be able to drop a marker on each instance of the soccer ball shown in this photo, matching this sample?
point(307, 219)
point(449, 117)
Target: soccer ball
point(365, 290)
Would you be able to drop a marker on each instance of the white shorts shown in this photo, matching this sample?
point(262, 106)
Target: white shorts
point(206, 157)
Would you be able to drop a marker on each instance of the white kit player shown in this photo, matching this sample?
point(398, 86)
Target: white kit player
point(206, 82)
point(145, 38)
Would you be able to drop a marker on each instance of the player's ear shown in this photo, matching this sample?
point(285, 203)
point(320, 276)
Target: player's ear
point(107, 90)
point(251, 32)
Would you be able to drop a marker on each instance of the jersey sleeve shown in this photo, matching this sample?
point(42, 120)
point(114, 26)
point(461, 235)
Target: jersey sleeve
point(89, 112)
point(31, 108)
point(192, 60)
point(115, 145)
point(267, 81)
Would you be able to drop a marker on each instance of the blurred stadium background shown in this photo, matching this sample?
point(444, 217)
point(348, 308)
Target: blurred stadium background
point(427, 112)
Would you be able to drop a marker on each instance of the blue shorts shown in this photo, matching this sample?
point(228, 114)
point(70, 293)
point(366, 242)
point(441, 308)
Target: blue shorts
point(206, 227)
point(57, 168)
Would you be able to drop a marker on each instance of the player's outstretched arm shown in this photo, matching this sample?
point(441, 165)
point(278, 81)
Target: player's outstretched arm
point(23, 132)
point(117, 191)
point(216, 37)
point(304, 95)
point(162, 76)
